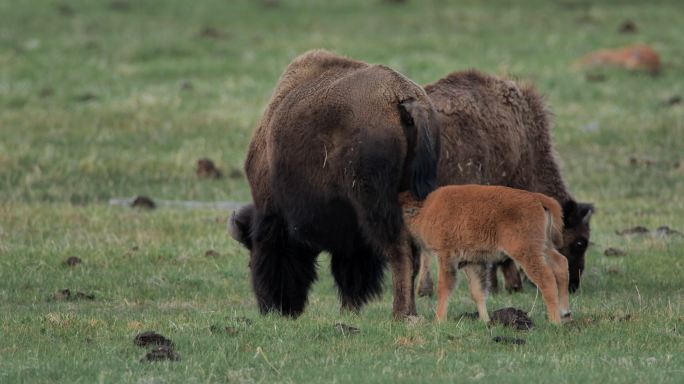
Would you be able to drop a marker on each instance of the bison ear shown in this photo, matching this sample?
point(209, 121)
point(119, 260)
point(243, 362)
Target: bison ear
point(240, 223)
point(585, 210)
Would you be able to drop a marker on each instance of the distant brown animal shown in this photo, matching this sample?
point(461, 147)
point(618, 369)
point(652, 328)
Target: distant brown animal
point(468, 225)
point(337, 143)
point(494, 131)
point(632, 57)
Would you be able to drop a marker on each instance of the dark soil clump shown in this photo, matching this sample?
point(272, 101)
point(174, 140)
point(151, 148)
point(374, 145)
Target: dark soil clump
point(72, 261)
point(207, 169)
point(151, 338)
point(512, 317)
point(508, 340)
point(667, 231)
point(628, 27)
point(67, 295)
point(160, 353)
point(143, 202)
point(211, 253)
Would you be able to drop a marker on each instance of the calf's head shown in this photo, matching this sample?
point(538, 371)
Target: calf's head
point(576, 218)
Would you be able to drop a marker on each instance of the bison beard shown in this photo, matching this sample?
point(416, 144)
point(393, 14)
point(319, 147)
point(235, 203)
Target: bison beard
point(325, 166)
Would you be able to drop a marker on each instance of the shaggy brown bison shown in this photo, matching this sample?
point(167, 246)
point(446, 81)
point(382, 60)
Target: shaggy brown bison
point(496, 132)
point(468, 225)
point(337, 143)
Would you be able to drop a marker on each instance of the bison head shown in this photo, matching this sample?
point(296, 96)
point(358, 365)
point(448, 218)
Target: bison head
point(576, 218)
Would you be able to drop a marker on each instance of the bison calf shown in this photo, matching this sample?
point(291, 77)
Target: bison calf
point(470, 225)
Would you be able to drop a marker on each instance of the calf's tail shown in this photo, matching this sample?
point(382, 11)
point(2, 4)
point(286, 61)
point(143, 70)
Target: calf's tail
point(554, 219)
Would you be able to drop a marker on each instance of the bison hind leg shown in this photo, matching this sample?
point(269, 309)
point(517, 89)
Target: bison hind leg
point(358, 273)
point(283, 269)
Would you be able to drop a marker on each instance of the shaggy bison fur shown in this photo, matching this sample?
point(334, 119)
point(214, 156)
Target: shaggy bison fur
point(494, 131)
point(338, 142)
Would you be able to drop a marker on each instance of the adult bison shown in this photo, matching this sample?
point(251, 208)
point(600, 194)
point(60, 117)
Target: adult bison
point(337, 143)
point(496, 132)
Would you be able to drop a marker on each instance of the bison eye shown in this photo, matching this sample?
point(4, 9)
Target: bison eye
point(579, 245)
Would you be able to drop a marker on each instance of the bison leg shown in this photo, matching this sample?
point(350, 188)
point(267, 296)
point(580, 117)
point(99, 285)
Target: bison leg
point(403, 272)
point(358, 274)
point(425, 284)
point(492, 280)
point(559, 264)
point(512, 280)
point(446, 280)
point(282, 269)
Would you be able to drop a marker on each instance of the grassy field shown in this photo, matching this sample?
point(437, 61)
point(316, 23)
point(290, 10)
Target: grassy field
point(103, 99)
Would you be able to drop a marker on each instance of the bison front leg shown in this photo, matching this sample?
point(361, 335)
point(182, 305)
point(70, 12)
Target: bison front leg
point(358, 274)
point(401, 264)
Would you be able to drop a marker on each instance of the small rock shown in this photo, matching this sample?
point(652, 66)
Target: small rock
point(72, 261)
point(614, 252)
point(508, 340)
point(151, 338)
point(160, 353)
point(346, 330)
point(143, 202)
point(638, 230)
point(512, 317)
point(627, 27)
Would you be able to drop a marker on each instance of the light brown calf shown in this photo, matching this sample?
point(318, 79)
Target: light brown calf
point(469, 225)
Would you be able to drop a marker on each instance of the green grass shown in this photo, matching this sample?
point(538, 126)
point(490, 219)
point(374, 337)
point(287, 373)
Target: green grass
point(141, 131)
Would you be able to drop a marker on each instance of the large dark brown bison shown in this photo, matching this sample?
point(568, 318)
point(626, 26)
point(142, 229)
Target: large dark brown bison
point(494, 131)
point(338, 142)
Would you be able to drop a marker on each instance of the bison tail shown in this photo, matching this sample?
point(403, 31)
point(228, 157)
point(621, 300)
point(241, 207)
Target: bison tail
point(240, 225)
point(422, 136)
point(554, 221)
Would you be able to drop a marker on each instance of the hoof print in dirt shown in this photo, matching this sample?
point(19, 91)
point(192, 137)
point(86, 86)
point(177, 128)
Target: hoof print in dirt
point(512, 317)
point(151, 338)
point(508, 340)
point(346, 330)
point(143, 202)
point(72, 261)
point(206, 169)
point(614, 252)
point(67, 295)
point(161, 353)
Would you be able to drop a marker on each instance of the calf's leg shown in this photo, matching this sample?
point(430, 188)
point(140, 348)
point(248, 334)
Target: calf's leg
point(559, 264)
point(536, 268)
point(446, 280)
point(512, 281)
point(477, 283)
